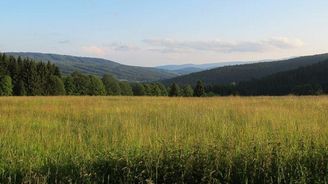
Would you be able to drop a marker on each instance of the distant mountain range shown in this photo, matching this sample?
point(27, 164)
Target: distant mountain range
point(245, 72)
point(192, 68)
point(96, 66)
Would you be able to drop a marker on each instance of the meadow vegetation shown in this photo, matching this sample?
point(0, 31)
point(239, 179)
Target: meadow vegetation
point(163, 140)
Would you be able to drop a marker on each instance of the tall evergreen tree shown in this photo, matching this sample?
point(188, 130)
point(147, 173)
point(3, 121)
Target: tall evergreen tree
point(199, 89)
point(174, 90)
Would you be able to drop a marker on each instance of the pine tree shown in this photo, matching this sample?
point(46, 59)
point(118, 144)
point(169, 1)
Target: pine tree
point(199, 89)
point(174, 90)
point(21, 90)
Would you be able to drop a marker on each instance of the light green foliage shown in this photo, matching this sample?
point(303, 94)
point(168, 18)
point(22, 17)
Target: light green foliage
point(188, 91)
point(96, 87)
point(163, 140)
point(6, 86)
point(112, 85)
point(57, 87)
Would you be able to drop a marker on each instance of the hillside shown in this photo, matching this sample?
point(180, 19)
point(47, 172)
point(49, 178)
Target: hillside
point(238, 73)
point(96, 66)
point(307, 80)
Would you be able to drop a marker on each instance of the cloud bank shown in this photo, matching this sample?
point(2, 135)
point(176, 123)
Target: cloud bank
point(170, 45)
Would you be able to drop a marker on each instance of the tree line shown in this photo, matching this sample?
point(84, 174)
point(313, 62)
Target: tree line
point(26, 77)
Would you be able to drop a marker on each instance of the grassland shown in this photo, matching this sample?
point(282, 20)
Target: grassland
point(163, 140)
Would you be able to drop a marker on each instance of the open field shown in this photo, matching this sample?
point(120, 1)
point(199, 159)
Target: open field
point(164, 140)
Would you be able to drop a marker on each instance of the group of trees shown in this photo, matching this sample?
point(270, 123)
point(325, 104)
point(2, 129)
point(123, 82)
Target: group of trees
point(188, 90)
point(21, 77)
point(26, 77)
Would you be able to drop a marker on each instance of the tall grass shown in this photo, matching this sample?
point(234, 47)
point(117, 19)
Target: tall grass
point(163, 140)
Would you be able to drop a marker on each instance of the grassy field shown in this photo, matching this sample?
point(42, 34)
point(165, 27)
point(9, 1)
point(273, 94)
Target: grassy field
point(163, 140)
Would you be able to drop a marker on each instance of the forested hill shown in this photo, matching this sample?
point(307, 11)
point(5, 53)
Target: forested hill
point(238, 73)
point(309, 80)
point(99, 67)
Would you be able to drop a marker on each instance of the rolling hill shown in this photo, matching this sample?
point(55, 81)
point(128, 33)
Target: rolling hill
point(307, 80)
point(238, 73)
point(96, 66)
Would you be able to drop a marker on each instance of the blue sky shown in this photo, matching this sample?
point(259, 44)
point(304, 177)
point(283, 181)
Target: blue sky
point(157, 32)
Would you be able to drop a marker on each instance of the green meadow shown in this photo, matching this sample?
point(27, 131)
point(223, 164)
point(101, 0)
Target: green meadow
point(164, 140)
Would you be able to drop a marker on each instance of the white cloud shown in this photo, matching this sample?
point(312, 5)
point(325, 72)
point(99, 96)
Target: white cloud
point(170, 45)
point(94, 50)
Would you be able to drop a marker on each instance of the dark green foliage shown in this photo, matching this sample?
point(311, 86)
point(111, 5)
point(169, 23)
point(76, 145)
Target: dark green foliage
point(112, 85)
point(188, 91)
point(28, 77)
point(69, 85)
point(81, 83)
point(96, 87)
point(99, 67)
point(6, 86)
point(246, 72)
point(155, 90)
point(163, 89)
point(199, 89)
point(310, 80)
point(57, 86)
point(126, 89)
point(222, 90)
point(20, 89)
point(174, 90)
point(138, 89)
point(148, 89)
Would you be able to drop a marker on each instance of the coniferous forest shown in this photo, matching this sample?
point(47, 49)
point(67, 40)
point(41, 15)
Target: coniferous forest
point(27, 77)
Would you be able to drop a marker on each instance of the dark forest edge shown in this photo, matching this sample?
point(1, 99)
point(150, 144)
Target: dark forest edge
point(26, 77)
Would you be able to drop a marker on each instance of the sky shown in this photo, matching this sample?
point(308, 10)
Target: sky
point(160, 32)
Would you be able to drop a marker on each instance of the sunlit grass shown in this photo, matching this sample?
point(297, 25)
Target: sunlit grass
point(164, 140)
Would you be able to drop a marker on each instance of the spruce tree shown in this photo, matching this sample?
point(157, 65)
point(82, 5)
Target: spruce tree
point(174, 90)
point(199, 89)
